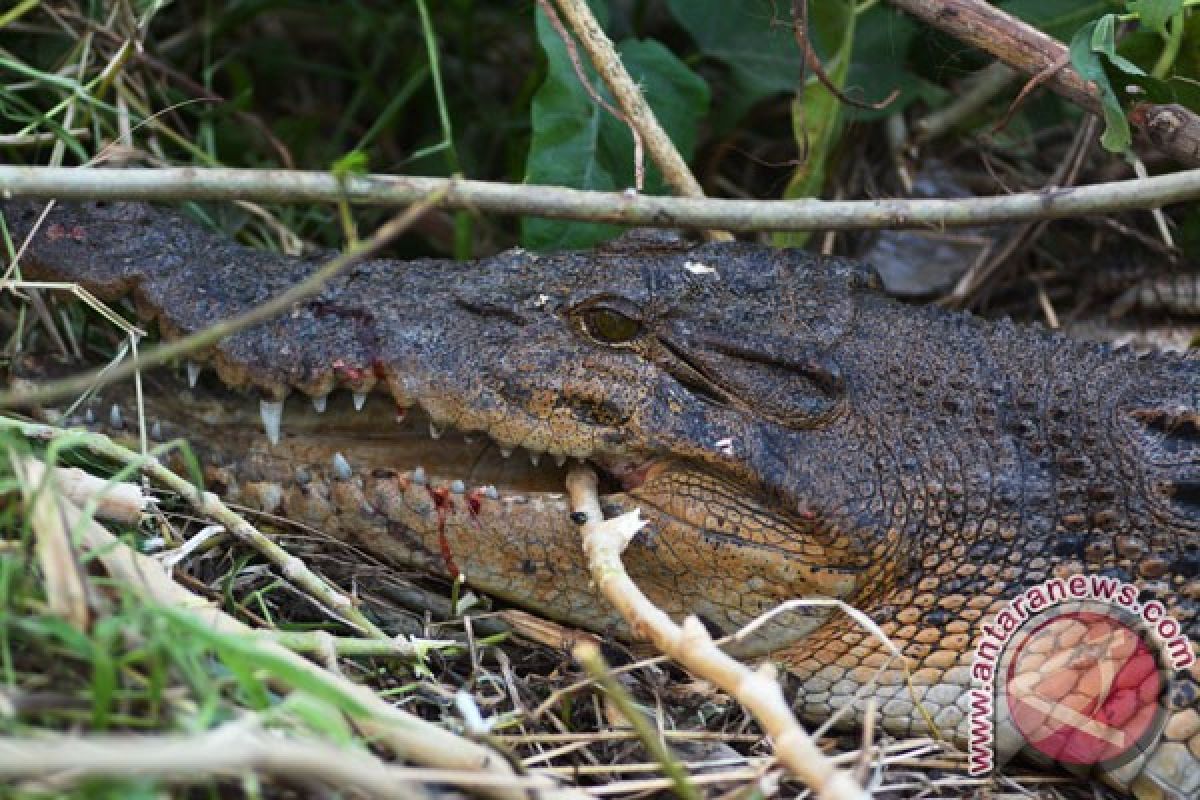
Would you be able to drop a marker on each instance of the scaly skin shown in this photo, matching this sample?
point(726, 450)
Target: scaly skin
point(786, 429)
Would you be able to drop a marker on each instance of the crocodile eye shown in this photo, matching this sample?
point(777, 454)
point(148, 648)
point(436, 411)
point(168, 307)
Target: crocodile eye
point(610, 326)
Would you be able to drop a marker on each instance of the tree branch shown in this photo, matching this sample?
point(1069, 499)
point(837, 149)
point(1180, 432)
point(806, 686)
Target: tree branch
point(281, 186)
point(1032, 52)
point(690, 645)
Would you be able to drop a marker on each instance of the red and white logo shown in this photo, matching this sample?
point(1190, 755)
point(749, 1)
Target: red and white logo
point(1075, 670)
point(1084, 687)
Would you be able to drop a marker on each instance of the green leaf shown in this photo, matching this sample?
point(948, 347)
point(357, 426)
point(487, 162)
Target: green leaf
point(352, 163)
point(753, 40)
point(1088, 64)
point(576, 143)
point(816, 113)
point(1104, 40)
point(1154, 14)
point(879, 65)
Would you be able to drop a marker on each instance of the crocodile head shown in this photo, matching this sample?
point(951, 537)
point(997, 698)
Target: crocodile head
point(704, 383)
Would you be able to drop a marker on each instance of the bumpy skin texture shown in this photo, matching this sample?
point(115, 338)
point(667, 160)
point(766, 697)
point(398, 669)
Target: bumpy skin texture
point(786, 429)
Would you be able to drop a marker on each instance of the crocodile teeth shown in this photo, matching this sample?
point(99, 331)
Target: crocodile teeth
point(469, 439)
point(360, 399)
point(506, 451)
point(434, 432)
point(319, 402)
point(272, 418)
point(401, 414)
point(341, 467)
point(156, 431)
point(418, 475)
point(457, 486)
point(491, 493)
point(534, 458)
point(89, 417)
point(560, 460)
point(193, 371)
point(115, 419)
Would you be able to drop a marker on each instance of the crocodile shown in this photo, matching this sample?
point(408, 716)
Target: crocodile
point(786, 429)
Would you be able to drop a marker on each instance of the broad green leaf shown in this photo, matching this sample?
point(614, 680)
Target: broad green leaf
point(754, 39)
point(1104, 40)
point(1154, 14)
point(879, 65)
point(1088, 64)
point(816, 113)
point(578, 144)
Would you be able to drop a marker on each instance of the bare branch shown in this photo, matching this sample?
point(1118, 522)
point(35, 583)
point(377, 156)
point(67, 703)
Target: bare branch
point(1028, 50)
point(690, 645)
point(281, 186)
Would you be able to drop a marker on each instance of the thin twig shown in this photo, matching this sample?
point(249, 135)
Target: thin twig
point(231, 750)
point(282, 186)
point(690, 645)
point(983, 86)
point(637, 111)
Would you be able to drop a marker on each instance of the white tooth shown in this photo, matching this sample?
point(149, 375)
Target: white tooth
point(506, 451)
point(458, 487)
point(401, 414)
point(534, 458)
point(271, 412)
point(156, 431)
point(115, 420)
point(418, 475)
point(360, 399)
point(559, 460)
point(193, 371)
point(491, 493)
point(434, 432)
point(89, 417)
point(320, 402)
point(468, 439)
point(341, 467)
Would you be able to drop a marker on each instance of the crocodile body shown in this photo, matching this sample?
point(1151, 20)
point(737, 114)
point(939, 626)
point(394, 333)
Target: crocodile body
point(786, 429)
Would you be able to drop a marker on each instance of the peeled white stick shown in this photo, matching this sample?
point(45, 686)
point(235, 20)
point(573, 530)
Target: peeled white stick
point(691, 646)
point(115, 501)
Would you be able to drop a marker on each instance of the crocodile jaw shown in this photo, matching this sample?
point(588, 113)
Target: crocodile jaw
point(457, 506)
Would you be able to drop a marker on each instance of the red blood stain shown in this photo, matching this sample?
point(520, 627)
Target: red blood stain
point(474, 502)
point(444, 506)
point(348, 373)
